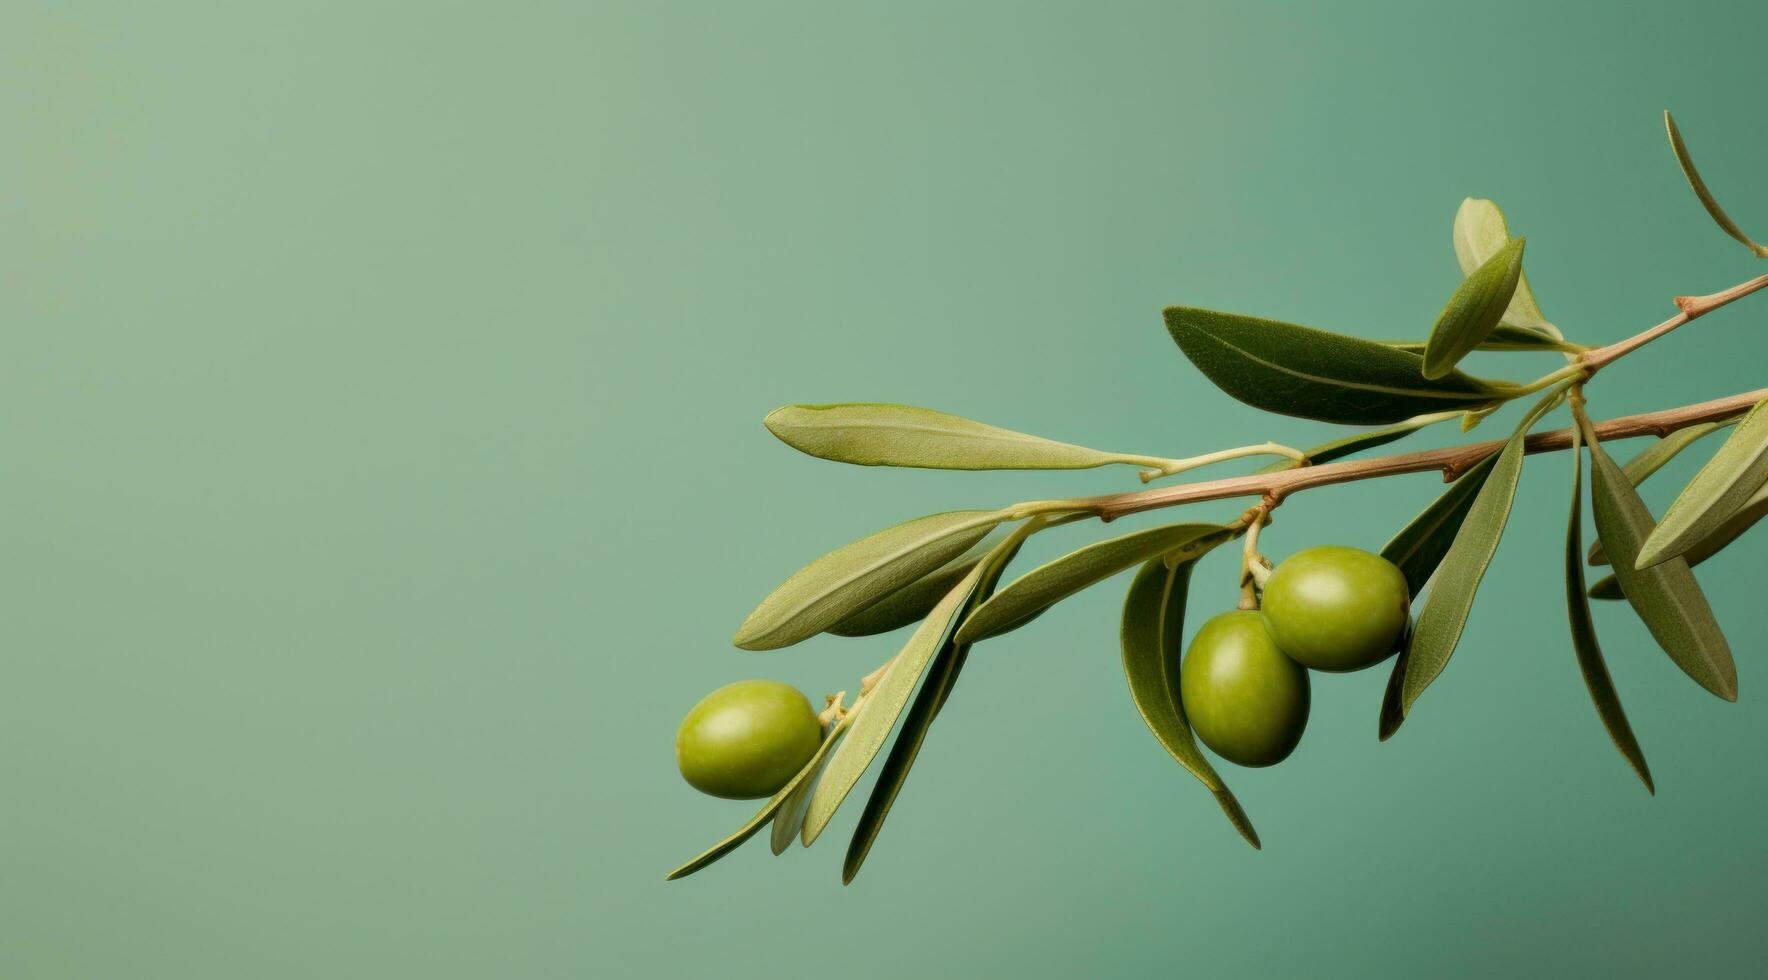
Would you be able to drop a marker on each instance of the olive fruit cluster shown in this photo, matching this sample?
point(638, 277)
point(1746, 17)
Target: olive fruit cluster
point(745, 741)
point(1244, 680)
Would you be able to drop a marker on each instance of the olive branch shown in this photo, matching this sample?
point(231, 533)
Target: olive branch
point(942, 571)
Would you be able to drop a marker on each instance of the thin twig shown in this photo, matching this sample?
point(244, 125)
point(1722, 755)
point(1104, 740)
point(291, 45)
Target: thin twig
point(1452, 461)
point(1691, 307)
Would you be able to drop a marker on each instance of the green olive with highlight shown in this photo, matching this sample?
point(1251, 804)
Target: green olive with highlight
point(1244, 698)
point(745, 741)
point(1336, 609)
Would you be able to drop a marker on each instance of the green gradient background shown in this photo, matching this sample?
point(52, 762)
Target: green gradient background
point(380, 395)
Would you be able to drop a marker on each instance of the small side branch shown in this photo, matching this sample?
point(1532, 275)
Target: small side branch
point(1691, 307)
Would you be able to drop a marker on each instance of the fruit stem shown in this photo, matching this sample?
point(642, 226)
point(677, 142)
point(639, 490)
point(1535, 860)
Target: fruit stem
point(833, 712)
point(1254, 568)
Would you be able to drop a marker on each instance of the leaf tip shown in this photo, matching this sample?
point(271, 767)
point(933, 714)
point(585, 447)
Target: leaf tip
point(972, 629)
point(1237, 816)
point(1651, 553)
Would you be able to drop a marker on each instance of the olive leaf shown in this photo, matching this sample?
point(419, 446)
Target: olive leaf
point(1665, 595)
point(855, 576)
point(942, 677)
point(1473, 309)
point(1480, 232)
point(1048, 584)
point(789, 819)
point(1420, 546)
point(1152, 637)
point(1295, 370)
point(768, 810)
point(1392, 713)
point(1595, 670)
point(1734, 527)
point(1652, 458)
point(877, 711)
point(912, 602)
point(1445, 611)
point(1326, 452)
point(879, 434)
point(1730, 478)
point(1707, 200)
point(1504, 337)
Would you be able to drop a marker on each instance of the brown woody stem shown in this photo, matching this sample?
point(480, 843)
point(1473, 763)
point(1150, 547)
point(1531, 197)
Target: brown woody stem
point(1691, 307)
point(1451, 461)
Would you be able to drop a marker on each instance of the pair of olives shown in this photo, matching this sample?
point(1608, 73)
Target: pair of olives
point(1244, 680)
point(1243, 683)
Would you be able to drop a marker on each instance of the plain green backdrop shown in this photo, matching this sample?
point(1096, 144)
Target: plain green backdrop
point(380, 398)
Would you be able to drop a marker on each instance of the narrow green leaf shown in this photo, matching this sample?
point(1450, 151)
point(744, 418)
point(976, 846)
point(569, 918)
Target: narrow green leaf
point(879, 434)
point(1392, 712)
point(1595, 670)
point(1420, 546)
point(766, 813)
point(1480, 232)
point(1503, 337)
point(876, 713)
point(854, 577)
point(1734, 527)
point(1152, 636)
point(1473, 310)
point(942, 677)
point(1445, 610)
point(1652, 458)
point(911, 603)
point(1295, 370)
point(1729, 479)
point(1665, 595)
point(1707, 200)
point(1048, 584)
point(788, 821)
point(1326, 452)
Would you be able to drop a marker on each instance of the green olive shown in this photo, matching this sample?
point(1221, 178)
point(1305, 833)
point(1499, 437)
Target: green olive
point(1245, 699)
point(746, 741)
point(1336, 609)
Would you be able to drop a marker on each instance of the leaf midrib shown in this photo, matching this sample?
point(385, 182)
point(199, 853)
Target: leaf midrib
point(1006, 436)
point(1630, 519)
point(1354, 385)
point(897, 555)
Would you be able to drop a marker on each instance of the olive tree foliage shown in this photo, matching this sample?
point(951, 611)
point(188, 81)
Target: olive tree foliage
point(942, 573)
